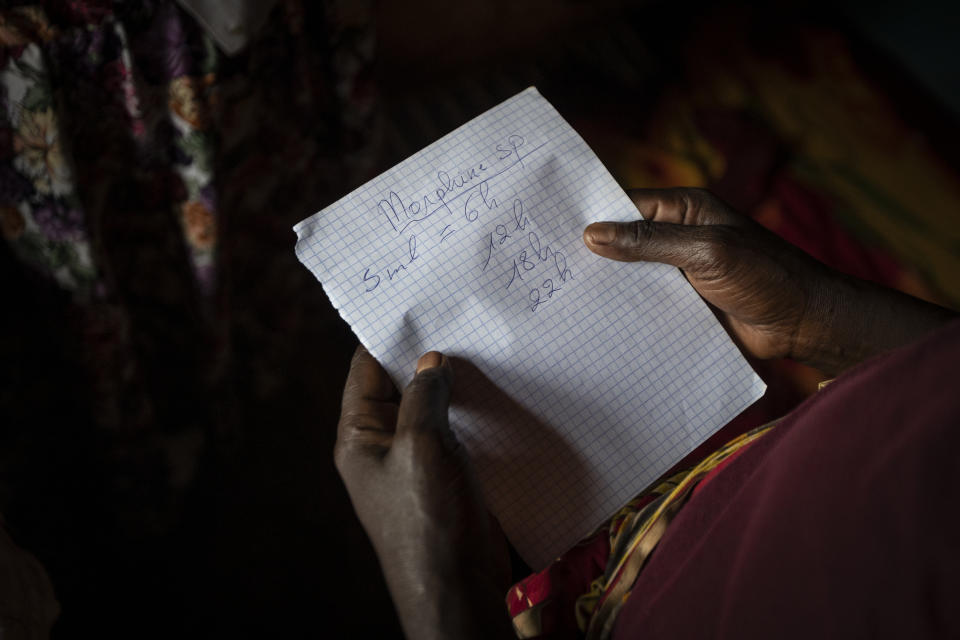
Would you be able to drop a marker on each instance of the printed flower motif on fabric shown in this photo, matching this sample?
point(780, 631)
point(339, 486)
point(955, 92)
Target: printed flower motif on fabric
point(39, 211)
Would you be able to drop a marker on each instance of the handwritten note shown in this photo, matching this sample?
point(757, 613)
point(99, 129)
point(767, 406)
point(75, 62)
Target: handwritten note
point(579, 380)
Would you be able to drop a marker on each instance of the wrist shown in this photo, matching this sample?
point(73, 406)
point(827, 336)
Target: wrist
point(816, 342)
point(848, 320)
point(441, 603)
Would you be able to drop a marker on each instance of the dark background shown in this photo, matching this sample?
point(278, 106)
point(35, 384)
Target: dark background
point(258, 539)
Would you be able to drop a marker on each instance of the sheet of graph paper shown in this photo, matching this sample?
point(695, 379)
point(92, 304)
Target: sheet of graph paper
point(578, 380)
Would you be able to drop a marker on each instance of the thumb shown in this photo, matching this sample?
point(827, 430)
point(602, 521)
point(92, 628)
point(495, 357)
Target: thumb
point(690, 248)
point(426, 400)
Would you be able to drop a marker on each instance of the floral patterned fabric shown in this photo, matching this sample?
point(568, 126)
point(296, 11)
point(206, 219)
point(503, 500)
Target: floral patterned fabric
point(53, 178)
point(148, 185)
point(98, 94)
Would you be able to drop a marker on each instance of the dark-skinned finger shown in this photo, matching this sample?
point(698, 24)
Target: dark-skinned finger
point(426, 400)
point(359, 447)
point(369, 423)
point(368, 388)
point(364, 436)
point(694, 249)
point(683, 205)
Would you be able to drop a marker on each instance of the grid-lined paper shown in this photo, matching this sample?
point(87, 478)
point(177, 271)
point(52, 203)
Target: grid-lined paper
point(578, 380)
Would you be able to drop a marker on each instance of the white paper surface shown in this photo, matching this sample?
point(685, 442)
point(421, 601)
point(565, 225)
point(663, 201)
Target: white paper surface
point(578, 380)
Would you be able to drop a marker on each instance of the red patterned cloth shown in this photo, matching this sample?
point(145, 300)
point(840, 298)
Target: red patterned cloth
point(580, 594)
point(840, 523)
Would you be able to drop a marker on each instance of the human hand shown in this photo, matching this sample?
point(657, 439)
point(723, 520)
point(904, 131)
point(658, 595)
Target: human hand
point(413, 488)
point(763, 287)
point(774, 299)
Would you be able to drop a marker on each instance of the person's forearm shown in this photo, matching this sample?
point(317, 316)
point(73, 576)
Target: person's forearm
point(451, 608)
point(849, 320)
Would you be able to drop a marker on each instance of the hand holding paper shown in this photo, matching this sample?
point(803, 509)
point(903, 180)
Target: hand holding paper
point(578, 380)
point(760, 284)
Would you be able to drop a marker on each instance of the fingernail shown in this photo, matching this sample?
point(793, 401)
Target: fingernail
point(429, 360)
point(601, 233)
